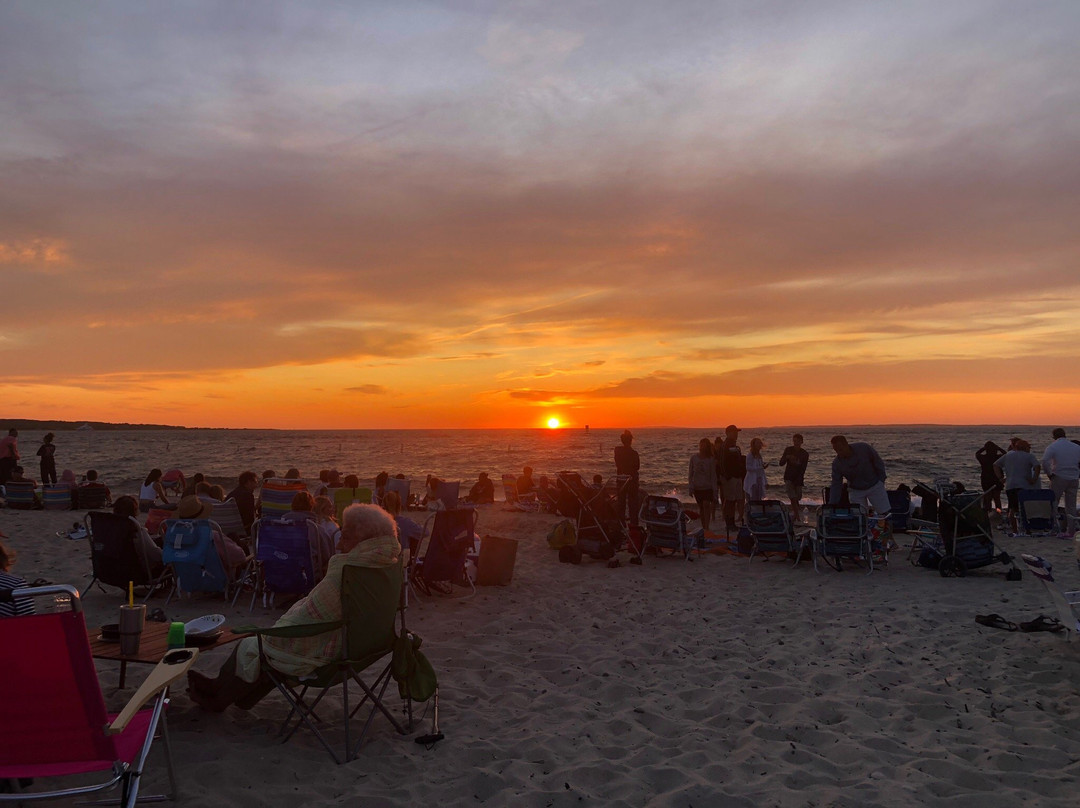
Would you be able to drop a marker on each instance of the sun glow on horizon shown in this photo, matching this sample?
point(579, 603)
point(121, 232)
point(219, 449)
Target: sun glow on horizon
point(553, 423)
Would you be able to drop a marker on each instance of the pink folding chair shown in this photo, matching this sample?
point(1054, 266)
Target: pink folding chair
point(173, 480)
point(53, 714)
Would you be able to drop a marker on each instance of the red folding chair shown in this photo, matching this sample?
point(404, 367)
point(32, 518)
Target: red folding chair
point(53, 714)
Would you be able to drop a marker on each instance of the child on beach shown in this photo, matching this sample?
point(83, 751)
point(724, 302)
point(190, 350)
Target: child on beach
point(47, 453)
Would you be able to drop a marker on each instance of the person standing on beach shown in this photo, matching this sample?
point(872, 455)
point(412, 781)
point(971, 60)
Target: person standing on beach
point(862, 467)
point(794, 460)
point(627, 464)
point(703, 481)
point(755, 484)
point(47, 453)
point(9, 455)
point(732, 468)
point(1017, 469)
point(1061, 462)
point(987, 456)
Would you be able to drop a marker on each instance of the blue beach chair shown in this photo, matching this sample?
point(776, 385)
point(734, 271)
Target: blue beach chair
point(451, 541)
point(665, 523)
point(189, 552)
point(770, 526)
point(283, 558)
point(1036, 507)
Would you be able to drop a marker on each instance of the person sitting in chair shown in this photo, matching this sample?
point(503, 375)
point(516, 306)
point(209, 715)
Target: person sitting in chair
point(145, 548)
point(368, 539)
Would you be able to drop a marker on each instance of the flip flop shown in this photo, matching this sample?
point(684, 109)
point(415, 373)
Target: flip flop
point(995, 621)
point(1043, 623)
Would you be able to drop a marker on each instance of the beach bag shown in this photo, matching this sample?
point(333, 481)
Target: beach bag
point(929, 558)
point(744, 541)
point(411, 669)
point(563, 534)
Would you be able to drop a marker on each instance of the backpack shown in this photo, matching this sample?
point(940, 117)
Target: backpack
point(745, 541)
point(563, 534)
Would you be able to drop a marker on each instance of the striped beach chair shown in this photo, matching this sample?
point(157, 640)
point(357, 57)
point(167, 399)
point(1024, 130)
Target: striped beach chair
point(277, 495)
point(21, 496)
point(57, 497)
point(227, 515)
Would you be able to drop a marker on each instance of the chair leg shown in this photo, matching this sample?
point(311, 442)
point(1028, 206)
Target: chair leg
point(173, 790)
point(89, 586)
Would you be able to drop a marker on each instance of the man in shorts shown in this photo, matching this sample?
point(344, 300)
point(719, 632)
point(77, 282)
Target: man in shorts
point(1061, 462)
point(794, 460)
point(862, 467)
point(732, 467)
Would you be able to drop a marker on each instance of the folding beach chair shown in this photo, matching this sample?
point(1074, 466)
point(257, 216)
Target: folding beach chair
point(92, 497)
point(842, 533)
point(174, 480)
point(1036, 508)
point(664, 522)
point(277, 495)
point(344, 497)
point(402, 487)
point(283, 558)
point(450, 542)
point(113, 557)
point(56, 497)
point(516, 501)
point(899, 509)
point(227, 516)
point(189, 552)
point(53, 717)
point(447, 493)
point(769, 521)
point(967, 539)
point(21, 496)
point(1065, 602)
point(372, 600)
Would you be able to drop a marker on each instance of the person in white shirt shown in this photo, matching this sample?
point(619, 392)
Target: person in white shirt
point(1061, 462)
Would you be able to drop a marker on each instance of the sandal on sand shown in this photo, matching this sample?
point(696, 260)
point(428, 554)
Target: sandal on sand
point(1043, 623)
point(995, 621)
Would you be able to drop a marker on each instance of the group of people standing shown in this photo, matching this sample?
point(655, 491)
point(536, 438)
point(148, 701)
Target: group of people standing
point(721, 475)
point(10, 459)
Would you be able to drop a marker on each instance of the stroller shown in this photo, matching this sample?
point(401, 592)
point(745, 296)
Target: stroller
point(600, 532)
point(967, 540)
point(842, 532)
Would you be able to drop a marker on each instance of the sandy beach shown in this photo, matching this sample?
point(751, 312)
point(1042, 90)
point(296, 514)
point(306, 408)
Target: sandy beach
point(716, 682)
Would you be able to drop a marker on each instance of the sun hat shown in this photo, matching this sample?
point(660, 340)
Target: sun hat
point(191, 507)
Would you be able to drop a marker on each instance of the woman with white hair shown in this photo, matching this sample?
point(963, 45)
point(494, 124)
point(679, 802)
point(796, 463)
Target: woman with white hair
point(368, 539)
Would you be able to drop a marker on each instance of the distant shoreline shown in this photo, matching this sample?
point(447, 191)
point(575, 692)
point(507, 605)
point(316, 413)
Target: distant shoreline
point(72, 426)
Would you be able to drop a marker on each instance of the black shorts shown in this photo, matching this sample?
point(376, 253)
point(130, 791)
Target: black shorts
point(1014, 498)
point(704, 496)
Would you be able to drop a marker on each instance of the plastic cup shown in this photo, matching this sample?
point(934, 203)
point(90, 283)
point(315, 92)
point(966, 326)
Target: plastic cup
point(132, 620)
point(177, 637)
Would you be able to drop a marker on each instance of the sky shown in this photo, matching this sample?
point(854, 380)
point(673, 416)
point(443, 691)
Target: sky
point(489, 214)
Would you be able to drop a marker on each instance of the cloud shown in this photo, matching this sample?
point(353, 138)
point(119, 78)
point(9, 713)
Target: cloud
point(368, 390)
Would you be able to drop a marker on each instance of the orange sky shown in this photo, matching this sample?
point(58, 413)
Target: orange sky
point(630, 214)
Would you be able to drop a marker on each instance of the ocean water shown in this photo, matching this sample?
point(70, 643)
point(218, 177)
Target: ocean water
point(911, 453)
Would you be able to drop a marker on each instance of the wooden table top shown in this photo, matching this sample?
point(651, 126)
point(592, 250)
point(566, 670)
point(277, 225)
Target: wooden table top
point(152, 646)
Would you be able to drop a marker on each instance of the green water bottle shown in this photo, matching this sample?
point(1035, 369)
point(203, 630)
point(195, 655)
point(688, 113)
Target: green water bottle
point(177, 637)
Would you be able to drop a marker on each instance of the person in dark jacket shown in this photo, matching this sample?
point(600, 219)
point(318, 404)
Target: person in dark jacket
point(628, 464)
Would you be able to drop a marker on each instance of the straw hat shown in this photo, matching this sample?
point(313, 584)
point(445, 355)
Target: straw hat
point(191, 507)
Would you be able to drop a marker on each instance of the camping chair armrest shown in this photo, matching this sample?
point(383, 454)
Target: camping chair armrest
point(173, 665)
point(291, 632)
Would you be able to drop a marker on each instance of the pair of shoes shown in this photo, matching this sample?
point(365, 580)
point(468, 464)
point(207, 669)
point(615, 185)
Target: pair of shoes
point(1043, 623)
point(995, 621)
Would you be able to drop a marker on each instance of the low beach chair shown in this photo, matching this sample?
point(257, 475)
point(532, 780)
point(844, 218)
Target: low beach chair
point(372, 604)
point(1066, 603)
point(53, 715)
point(189, 553)
point(769, 521)
point(966, 536)
point(56, 497)
point(227, 516)
point(518, 502)
point(1036, 512)
point(344, 497)
point(92, 497)
point(451, 540)
point(113, 557)
point(21, 496)
point(402, 487)
point(841, 533)
point(664, 522)
point(447, 493)
point(276, 495)
point(284, 558)
point(173, 480)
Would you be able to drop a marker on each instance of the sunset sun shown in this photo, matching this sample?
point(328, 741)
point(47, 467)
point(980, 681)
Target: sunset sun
point(553, 422)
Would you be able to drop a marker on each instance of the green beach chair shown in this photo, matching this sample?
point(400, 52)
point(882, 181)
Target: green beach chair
point(371, 599)
point(344, 497)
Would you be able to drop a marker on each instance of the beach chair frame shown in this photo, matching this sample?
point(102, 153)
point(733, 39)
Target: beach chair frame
point(769, 521)
point(664, 522)
point(451, 540)
point(283, 545)
point(113, 557)
point(373, 604)
point(832, 541)
point(71, 688)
